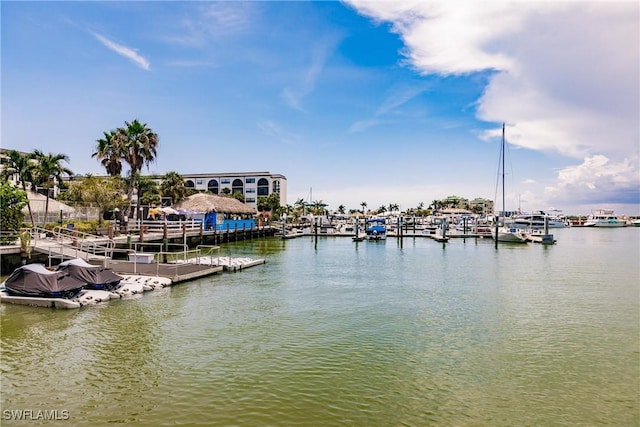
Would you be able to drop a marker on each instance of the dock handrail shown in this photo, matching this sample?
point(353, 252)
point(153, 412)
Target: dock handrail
point(209, 252)
point(81, 244)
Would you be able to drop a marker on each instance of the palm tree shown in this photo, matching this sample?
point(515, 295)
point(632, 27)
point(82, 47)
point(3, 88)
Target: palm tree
point(173, 186)
point(318, 207)
point(148, 191)
point(109, 153)
point(341, 209)
point(48, 173)
point(300, 204)
point(22, 165)
point(393, 207)
point(364, 205)
point(138, 146)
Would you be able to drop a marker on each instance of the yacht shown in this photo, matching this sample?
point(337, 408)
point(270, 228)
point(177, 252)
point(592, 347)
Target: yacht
point(603, 218)
point(536, 220)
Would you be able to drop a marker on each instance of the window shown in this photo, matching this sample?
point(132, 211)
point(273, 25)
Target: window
point(250, 180)
point(237, 186)
point(225, 181)
point(250, 200)
point(276, 186)
point(250, 190)
point(263, 187)
point(199, 181)
point(212, 186)
point(189, 184)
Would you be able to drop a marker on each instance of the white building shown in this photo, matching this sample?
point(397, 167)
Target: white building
point(250, 184)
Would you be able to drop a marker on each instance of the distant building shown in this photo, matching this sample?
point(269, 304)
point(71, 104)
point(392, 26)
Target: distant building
point(455, 202)
point(250, 184)
point(481, 206)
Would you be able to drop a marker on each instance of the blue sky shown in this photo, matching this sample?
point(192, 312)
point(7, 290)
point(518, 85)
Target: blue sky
point(381, 102)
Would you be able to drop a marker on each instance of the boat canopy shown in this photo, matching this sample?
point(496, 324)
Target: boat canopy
point(34, 280)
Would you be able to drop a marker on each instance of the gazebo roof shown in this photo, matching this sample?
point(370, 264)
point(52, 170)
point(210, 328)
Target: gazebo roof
point(38, 203)
point(204, 202)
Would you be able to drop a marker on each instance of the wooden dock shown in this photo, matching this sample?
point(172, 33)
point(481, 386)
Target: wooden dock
point(176, 272)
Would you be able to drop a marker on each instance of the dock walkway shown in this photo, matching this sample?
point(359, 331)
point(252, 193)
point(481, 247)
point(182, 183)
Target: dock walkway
point(176, 272)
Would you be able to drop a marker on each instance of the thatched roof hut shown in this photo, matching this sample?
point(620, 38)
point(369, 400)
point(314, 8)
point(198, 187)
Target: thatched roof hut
point(38, 204)
point(205, 202)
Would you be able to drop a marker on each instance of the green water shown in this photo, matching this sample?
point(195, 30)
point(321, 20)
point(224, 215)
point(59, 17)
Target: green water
point(337, 333)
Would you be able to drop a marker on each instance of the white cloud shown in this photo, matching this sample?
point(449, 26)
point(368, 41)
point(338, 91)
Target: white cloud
point(598, 179)
point(272, 129)
point(306, 81)
point(566, 75)
point(398, 95)
point(125, 51)
point(213, 21)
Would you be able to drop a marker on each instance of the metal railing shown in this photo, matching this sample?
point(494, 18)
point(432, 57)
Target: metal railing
point(63, 243)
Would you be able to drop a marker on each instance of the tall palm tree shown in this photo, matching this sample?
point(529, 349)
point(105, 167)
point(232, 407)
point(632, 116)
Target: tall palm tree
point(22, 165)
point(364, 205)
point(138, 145)
point(109, 153)
point(48, 173)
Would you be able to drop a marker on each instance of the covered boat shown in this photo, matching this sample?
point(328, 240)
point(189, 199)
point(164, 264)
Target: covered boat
point(34, 280)
point(376, 229)
point(93, 276)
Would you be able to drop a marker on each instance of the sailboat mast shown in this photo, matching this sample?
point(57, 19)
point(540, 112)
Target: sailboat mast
point(504, 212)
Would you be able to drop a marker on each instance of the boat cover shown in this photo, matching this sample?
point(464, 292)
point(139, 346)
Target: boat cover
point(34, 280)
point(94, 276)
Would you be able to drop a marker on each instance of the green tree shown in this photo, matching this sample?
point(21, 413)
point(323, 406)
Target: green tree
point(104, 193)
point(135, 144)
point(238, 196)
point(173, 187)
point(148, 191)
point(22, 166)
point(318, 207)
point(48, 173)
point(341, 209)
point(109, 153)
point(12, 201)
point(364, 206)
point(269, 203)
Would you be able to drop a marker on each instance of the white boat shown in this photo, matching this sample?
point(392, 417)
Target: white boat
point(603, 218)
point(535, 220)
point(505, 233)
point(540, 236)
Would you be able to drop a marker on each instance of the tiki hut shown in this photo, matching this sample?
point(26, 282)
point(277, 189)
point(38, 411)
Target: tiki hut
point(38, 204)
point(219, 212)
point(205, 203)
